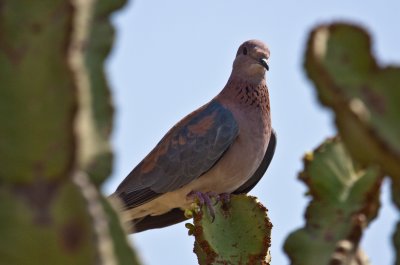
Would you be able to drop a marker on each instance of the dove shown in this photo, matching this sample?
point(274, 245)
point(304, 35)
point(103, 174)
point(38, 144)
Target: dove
point(223, 147)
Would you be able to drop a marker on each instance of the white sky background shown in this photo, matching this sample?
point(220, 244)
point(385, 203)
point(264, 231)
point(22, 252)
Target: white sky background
point(171, 57)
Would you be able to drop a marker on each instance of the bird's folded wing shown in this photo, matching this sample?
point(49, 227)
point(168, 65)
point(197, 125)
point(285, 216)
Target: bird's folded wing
point(186, 152)
point(255, 178)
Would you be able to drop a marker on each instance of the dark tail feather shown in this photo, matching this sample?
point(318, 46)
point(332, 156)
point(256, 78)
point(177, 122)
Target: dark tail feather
point(150, 222)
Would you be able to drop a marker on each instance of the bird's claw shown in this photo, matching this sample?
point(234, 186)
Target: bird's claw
point(197, 195)
point(225, 198)
point(205, 199)
point(211, 194)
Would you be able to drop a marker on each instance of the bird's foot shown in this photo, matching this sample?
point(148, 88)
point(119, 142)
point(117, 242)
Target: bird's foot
point(206, 199)
point(214, 195)
point(225, 198)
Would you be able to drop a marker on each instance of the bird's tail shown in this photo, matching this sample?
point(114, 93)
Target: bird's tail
point(158, 221)
point(148, 222)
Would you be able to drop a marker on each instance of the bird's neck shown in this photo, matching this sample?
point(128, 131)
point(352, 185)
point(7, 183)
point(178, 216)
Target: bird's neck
point(251, 75)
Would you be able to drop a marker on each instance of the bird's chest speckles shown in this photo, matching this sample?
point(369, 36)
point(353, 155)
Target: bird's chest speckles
point(254, 103)
point(255, 96)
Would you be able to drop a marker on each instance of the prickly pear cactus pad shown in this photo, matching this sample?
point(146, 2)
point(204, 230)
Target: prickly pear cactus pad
point(36, 94)
point(57, 232)
point(239, 234)
point(55, 118)
point(344, 199)
point(364, 95)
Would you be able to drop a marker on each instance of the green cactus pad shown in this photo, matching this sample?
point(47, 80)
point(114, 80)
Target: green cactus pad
point(345, 198)
point(56, 118)
point(66, 224)
point(37, 91)
point(55, 231)
point(239, 234)
point(364, 95)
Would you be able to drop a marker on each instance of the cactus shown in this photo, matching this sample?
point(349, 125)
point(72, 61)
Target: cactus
point(239, 234)
point(55, 117)
point(90, 45)
point(364, 96)
point(345, 198)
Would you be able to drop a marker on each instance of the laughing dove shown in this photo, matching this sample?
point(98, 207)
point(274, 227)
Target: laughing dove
point(224, 146)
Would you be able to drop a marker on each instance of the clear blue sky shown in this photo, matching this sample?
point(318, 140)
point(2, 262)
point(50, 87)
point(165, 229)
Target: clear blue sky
point(171, 57)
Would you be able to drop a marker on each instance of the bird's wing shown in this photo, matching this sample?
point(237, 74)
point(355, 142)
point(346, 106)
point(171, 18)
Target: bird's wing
point(177, 215)
point(262, 168)
point(186, 152)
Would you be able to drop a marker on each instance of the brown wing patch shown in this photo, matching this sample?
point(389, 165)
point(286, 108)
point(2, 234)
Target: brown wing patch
point(150, 161)
point(203, 125)
point(199, 129)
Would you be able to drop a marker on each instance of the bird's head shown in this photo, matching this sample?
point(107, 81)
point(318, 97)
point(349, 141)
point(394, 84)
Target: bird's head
point(252, 59)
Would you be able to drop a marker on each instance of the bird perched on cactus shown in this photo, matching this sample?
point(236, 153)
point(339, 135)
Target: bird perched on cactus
point(223, 147)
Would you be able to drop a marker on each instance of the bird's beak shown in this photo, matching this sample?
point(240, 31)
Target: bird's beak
point(264, 63)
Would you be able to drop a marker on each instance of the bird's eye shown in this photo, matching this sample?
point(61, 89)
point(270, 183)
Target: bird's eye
point(244, 50)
